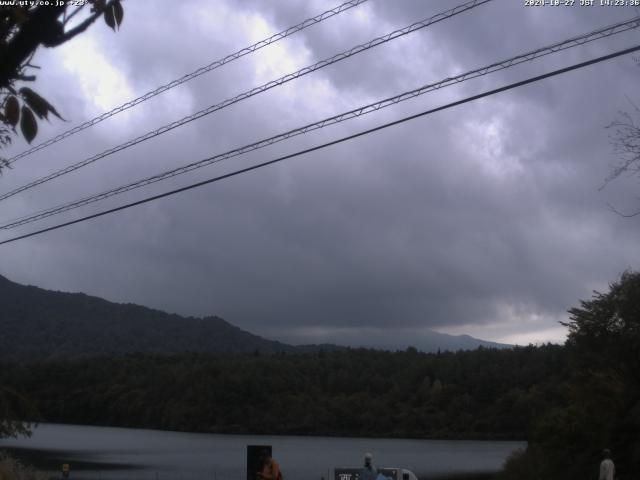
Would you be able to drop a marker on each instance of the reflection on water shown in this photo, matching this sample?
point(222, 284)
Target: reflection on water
point(118, 453)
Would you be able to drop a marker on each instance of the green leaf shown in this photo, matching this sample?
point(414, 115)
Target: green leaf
point(38, 104)
point(118, 13)
point(28, 124)
point(109, 18)
point(12, 110)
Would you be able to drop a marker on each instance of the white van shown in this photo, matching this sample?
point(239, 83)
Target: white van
point(353, 473)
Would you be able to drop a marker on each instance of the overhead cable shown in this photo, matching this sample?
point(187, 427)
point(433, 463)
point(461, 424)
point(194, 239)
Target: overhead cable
point(190, 76)
point(370, 108)
point(250, 93)
point(334, 142)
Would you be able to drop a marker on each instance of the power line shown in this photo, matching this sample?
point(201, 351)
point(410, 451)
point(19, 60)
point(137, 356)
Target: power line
point(370, 108)
point(334, 142)
point(254, 91)
point(190, 76)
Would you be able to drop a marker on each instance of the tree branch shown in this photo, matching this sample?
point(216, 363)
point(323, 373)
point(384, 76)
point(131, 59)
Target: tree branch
point(26, 78)
point(34, 31)
point(66, 36)
point(73, 14)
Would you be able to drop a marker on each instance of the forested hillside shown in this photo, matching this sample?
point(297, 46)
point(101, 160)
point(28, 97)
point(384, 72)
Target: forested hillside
point(40, 324)
point(486, 393)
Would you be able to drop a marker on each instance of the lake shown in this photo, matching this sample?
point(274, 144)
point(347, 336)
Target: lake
point(133, 454)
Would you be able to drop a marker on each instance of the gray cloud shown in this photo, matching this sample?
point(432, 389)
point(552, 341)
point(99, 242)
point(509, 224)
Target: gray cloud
point(485, 218)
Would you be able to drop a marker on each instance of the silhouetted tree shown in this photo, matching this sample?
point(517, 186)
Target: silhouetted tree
point(604, 335)
point(14, 410)
point(625, 139)
point(23, 29)
point(602, 405)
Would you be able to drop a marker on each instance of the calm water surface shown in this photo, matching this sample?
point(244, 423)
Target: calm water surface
point(133, 454)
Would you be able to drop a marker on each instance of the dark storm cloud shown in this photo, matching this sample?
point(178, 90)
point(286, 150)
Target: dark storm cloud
point(484, 219)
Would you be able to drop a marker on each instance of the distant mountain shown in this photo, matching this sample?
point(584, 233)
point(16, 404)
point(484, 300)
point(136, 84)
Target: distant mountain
point(38, 324)
point(425, 341)
point(432, 341)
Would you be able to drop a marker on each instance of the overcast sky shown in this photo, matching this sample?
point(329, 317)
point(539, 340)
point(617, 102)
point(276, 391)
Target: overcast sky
point(484, 219)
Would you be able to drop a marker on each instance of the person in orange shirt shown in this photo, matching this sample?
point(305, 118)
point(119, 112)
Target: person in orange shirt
point(270, 468)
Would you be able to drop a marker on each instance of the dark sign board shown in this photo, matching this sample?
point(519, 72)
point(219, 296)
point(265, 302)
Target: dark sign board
point(255, 454)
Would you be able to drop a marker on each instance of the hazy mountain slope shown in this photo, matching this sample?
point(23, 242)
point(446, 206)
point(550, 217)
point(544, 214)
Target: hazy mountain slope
point(38, 324)
point(432, 341)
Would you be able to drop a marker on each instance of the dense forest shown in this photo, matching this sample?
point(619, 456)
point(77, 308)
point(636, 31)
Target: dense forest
point(486, 393)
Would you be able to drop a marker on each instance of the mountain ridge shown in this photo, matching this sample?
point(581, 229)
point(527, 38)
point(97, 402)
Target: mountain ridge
point(43, 325)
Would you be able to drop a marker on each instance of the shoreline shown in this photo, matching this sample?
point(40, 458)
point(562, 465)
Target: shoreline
point(463, 476)
point(328, 435)
point(51, 460)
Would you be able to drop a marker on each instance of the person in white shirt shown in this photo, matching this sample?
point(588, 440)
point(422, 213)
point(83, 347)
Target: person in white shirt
point(607, 468)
